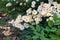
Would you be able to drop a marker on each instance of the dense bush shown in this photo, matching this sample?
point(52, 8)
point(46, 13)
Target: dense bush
point(47, 28)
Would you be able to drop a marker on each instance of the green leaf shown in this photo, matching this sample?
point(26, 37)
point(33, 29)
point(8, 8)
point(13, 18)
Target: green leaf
point(47, 29)
point(7, 38)
point(2, 23)
point(38, 28)
point(53, 29)
point(55, 16)
point(57, 22)
point(35, 37)
point(42, 32)
point(57, 32)
point(32, 28)
point(53, 37)
point(50, 23)
point(43, 38)
point(36, 33)
point(28, 38)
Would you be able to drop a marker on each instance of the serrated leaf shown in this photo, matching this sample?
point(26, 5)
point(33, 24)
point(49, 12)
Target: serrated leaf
point(32, 28)
point(35, 37)
point(53, 29)
point(57, 22)
point(38, 28)
point(47, 29)
point(50, 23)
point(55, 16)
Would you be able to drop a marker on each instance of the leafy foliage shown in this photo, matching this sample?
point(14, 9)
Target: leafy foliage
point(45, 31)
point(49, 32)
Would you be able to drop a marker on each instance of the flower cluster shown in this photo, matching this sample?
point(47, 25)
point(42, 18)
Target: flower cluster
point(34, 16)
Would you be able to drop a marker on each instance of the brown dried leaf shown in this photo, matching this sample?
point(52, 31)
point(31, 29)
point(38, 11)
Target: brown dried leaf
point(7, 33)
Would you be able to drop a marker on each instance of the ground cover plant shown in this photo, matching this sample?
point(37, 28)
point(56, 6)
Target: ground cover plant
point(29, 20)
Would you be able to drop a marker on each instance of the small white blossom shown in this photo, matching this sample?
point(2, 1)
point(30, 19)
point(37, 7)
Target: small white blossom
point(18, 19)
point(21, 4)
point(29, 11)
point(49, 14)
point(50, 1)
point(46, 5)
point(47, 19)
point(21, 27)
point(27, 18)
point(39, 9)
point(26, 0)
point(34, 12)
point(33, 5)
point(51, 18)
point(26, 25)
point(33, 2)
point(37, 20)
point(24, 3)
point(8, 4)
point(44, 12)
point(55, 4)
point(58, 7)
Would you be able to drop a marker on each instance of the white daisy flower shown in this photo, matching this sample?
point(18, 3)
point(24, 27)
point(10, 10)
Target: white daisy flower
point(33, 5)
point(33, 2)
point(39, 8)
point(55, 4)
point(27, 18)
point(58, 7)
point(18, 19)
point(21, 27)
point(34, 12)
point(51, 18)
point(26, 25)
point(44, 12)
point(37, 20)
point(29, 11)
point(49, 14)
point(46, 5)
